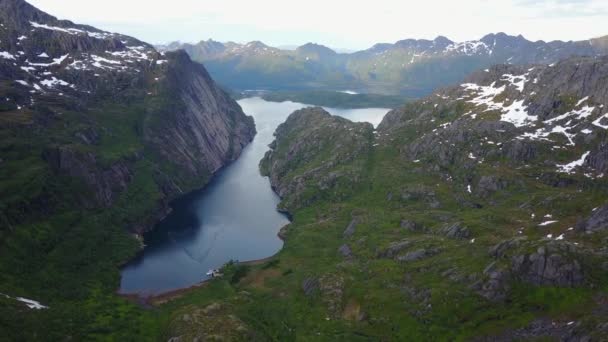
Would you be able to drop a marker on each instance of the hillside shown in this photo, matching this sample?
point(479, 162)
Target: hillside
point(98, 133)
point(478, 213)
point(413, 68)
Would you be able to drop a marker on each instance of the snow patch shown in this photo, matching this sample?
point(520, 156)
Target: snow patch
point(568, 168)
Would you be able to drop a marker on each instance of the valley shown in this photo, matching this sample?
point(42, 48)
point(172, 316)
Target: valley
point(233, 218)
point(423, 190)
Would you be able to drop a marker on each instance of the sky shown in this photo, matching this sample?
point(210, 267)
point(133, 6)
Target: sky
point(344, 24)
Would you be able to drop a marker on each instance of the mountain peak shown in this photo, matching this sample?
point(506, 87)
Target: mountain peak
point(315, 48)
point(256, 44)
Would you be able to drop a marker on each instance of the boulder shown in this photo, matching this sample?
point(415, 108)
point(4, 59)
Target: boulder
point(418, 255)
point(411, 226)
point(394, 249)
point(309, 286)
point(345, 251)
point(350, 229)
point(456, 231)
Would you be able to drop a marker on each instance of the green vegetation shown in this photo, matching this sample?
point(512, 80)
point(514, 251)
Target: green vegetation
point(336, 99)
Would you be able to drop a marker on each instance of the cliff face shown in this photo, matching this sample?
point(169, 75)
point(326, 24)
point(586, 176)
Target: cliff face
point(210, 129)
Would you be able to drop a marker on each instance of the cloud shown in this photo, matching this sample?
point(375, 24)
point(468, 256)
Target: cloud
point(338, 23)
point(565, 8)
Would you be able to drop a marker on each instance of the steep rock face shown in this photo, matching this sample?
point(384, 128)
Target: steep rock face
point(209, 129)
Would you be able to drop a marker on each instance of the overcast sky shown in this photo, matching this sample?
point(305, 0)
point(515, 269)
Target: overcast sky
point(348, 24)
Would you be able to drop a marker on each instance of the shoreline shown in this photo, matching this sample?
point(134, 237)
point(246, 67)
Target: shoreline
point(154, 300)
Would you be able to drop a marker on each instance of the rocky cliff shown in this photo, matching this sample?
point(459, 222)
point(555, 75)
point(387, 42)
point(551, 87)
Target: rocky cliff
point(177, 114)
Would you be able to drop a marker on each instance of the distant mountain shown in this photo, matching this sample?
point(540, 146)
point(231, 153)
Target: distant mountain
point(98, 133)
point(411, 67)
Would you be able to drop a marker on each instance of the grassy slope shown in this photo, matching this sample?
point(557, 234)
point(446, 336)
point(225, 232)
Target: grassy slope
point(337, 99)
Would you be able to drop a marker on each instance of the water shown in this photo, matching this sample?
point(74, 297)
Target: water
point(233, 218)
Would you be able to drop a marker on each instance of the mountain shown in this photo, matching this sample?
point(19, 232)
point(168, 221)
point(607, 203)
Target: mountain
point(99, 132)
point(410, 67)
point(477, 213)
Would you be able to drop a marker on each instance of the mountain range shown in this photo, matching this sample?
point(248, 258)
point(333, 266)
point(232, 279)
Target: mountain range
point(409, 67)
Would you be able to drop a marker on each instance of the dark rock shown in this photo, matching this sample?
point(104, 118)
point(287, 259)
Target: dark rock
point(394, 249)
point(542, 329)
point(598, 221)
point(411, 226)
point(350, 229)
point(496, 285)
point(456, 231)
point(500, 250)
point(490, 184)
point(345, 251)
point(418, 255)
point(553, 265)
point(89, 136)
point(310, 285)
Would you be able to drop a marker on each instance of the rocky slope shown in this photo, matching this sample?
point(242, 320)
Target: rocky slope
point(411, 67)
point(477, 213)
point(98, 132)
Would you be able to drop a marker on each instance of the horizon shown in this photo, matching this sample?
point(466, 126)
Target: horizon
point(336, 49)
point(387, 21)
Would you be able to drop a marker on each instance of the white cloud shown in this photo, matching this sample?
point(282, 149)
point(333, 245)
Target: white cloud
point(342, 23)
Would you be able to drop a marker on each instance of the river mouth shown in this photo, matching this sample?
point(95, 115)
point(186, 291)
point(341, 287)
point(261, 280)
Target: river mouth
point(234, 217)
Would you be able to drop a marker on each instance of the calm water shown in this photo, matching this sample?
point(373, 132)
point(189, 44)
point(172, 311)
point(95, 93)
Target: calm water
point(234, 217)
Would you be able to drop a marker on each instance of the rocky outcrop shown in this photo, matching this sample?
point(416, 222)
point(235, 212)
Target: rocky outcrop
point(598, 221)
point(455, 231)
point(310, 285)
point(350, 229)
point(496, 284)
point(552, 265)
point(394, 249)
point(418, 254)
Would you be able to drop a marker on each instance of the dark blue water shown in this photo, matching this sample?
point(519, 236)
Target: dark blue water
point(233, 218)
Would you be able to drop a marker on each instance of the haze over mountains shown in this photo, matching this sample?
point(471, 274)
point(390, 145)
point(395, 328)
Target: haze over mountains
point(409, 67)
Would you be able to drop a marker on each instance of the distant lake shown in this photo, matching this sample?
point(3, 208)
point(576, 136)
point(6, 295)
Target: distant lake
point(233, 218)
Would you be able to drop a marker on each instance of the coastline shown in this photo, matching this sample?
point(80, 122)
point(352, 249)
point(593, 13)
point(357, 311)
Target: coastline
point(153, 300)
